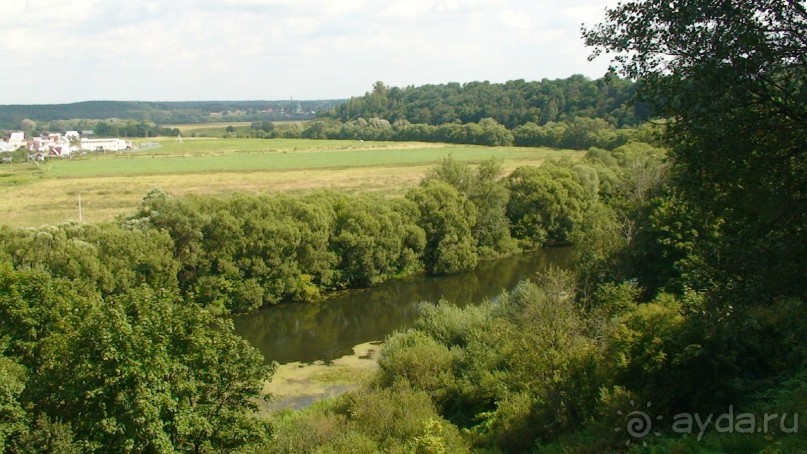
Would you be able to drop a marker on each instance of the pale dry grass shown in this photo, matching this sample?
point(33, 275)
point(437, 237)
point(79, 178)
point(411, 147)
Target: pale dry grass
point(295, 385)
point(52, 201)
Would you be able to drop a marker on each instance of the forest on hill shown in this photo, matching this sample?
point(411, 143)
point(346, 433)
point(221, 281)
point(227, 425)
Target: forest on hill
point(56, 116)
point(574, 113)
point(511, 104)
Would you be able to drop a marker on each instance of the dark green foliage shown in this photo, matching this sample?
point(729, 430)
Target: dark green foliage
point(545, 204)
point(393, 419)
point(732, 77)
point(740, 147)
point(511, 104)
point(46, 436)
point(375, 240)
point(245, 252)
point(484, 188)
point(281, 243)
point(82, 116)
point(102, 257)
point(129, 128)
point(490, 196)
point(12, 415)
point(446, 217)
point(573, 113)
point(135, 372)
point(578, 133)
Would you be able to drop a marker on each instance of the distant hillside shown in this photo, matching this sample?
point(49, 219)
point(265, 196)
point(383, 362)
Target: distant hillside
point(511, 104)
point(166, 112)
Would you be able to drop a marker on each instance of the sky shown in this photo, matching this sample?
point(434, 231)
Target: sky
point(62, 51)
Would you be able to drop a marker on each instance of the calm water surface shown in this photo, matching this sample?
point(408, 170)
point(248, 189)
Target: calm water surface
point(329, 329)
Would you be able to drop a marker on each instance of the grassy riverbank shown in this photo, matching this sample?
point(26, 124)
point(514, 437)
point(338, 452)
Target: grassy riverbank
point(296, 385)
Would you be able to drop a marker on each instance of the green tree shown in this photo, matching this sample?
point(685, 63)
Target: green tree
point(446, 217)
point(731, 76)
point(485, 188)
point(28, 126)
point(545, 204)
point(490, 196)
point(12, 415)
point(265, 126)
point(183, 223)
point(136, 372)
point(374, 240)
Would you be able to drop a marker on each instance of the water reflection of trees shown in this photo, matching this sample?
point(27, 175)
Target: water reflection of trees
point(329, 329)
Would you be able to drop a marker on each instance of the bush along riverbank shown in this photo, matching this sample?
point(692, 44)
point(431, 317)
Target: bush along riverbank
point(236, 254)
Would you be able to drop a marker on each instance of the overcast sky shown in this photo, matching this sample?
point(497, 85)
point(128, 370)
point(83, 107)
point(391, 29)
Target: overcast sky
point(59, 51)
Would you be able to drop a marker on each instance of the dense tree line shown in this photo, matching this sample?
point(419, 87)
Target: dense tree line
point(511, 104)
point(100, 128)
point(129, 128)
point(575, 113)
point(579, 133)
point(243, 252)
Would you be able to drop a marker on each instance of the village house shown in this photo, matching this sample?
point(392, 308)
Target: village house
point(13, 142)
point(60, 145)
point(52, 144)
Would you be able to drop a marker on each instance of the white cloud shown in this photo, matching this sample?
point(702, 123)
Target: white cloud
point(72, 50)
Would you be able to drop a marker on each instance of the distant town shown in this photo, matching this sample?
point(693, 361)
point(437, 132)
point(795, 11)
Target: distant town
point(59, 145)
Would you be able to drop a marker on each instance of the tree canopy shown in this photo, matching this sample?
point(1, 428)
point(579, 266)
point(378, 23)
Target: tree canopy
point(732, 77)
point(135, 372)
point(511, 104)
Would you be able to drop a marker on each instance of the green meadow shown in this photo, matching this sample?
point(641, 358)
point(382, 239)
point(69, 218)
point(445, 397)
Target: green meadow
point(112, 184)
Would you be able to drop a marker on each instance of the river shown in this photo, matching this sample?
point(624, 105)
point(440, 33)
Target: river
point(329, 329)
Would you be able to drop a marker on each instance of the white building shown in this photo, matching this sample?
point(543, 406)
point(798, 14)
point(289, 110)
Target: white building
point(52, 145)
point(15, 140)
point(105, 144)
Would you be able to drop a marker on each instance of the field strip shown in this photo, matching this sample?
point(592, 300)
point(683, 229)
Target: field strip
point(113, 185)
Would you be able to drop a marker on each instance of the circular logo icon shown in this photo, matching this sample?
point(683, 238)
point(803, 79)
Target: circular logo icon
point(638, 424)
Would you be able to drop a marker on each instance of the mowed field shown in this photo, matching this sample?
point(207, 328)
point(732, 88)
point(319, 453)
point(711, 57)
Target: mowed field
point(113, 184)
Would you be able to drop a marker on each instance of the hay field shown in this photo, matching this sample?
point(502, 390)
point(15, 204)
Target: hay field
point(113, 184)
